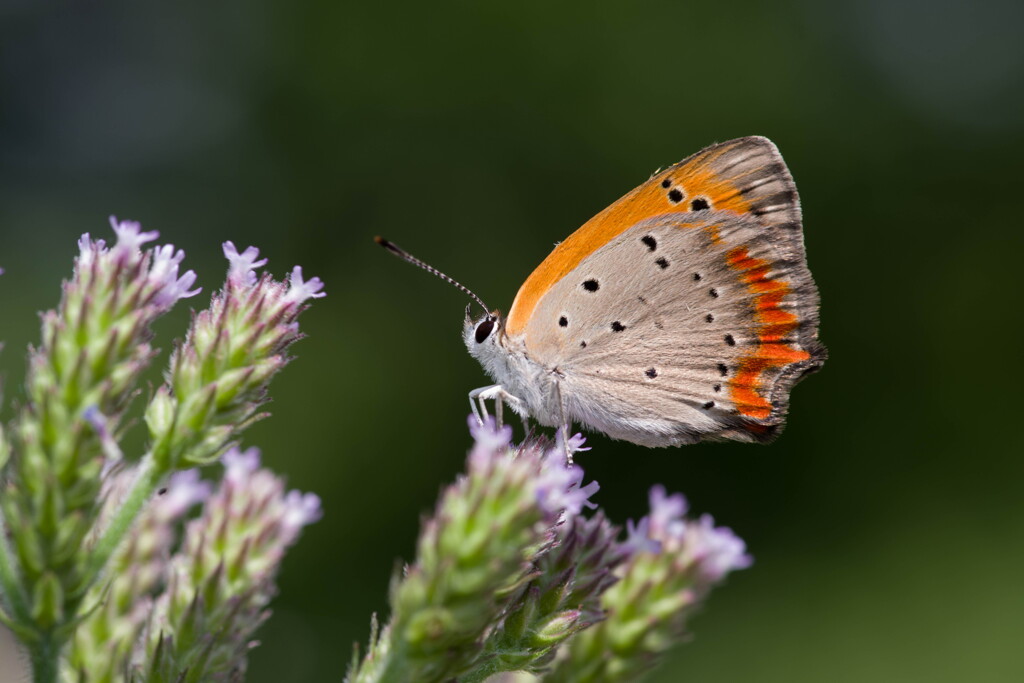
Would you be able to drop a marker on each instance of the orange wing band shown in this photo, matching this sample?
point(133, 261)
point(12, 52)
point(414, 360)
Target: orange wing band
point(774, 324)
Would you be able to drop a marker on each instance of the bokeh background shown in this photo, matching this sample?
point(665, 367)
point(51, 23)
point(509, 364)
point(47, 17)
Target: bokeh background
point(886, 522)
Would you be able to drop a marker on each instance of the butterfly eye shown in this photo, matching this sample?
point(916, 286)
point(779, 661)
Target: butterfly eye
point(483, 330)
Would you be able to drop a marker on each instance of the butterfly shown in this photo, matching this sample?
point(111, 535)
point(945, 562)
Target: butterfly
point(683, 312)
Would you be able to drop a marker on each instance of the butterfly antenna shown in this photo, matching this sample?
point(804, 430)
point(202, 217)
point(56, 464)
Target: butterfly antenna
point(406, 256)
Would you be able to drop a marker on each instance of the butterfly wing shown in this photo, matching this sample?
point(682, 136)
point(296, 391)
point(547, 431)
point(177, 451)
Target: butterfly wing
point(745, 176)
point(689, 324)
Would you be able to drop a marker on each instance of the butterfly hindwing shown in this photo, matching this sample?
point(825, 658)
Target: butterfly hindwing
point(682, 327)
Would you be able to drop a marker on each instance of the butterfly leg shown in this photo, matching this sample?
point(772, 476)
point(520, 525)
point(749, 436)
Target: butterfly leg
point(562, 435)
point(563, 429)
point(478, 401)
point(480, 411)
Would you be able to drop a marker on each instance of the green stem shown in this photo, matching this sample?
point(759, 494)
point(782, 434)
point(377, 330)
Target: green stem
point(10, 585)
point(145, 482)
point(482, 672)
point(45, 656)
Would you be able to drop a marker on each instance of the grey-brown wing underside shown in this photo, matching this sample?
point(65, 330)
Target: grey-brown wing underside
point(682, 328)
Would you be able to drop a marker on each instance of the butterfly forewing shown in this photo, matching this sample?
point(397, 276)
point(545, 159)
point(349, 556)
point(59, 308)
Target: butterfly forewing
point(746, 176)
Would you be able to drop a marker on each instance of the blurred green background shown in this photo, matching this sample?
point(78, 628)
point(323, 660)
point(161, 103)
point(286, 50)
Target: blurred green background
point(886, 522)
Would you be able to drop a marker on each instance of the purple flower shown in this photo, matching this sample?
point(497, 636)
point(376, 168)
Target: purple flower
point(299, 291)
point(87, 250)
point(716, 551)
point(241, 268)
point(219, 375)
point(301, 509)
point(182, 491)
point(575, 444)
point(239, 465)
point(225, 570)
point(130, 237)
point(163, 274)
point(703, 552)
point(244, 479)
point(666, 513)
point(559, 487)
point(159, 279)
point(490, 440)
point(713, 552)
point(241, 273)
point(101, 425)
point(638, 538)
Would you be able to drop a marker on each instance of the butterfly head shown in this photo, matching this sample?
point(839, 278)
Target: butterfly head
point(481, 330)
point(482, 335)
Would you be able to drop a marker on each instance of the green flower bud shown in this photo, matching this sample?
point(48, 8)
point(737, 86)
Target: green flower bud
point(673, 562)
point(48, 601)
point(63, 520)
point(478, 559)
point(221, 580)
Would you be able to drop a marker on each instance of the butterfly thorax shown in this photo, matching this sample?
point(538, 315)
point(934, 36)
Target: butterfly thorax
point(505, 359)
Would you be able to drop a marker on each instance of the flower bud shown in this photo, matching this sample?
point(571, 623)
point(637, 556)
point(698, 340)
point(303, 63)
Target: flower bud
point(671, 565)
point(218, 377)
point(222, 579)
